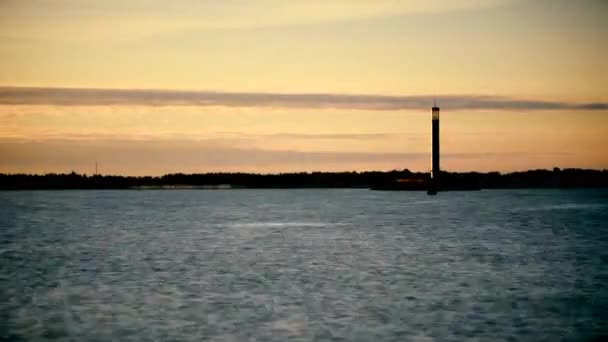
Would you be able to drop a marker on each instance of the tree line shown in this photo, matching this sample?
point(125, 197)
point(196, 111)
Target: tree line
point(556, 178)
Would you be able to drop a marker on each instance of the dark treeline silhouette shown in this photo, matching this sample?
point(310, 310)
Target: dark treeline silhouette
point(556, 178)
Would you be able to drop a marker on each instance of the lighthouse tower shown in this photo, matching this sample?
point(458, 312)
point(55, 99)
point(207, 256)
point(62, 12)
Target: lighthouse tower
point(435, 125)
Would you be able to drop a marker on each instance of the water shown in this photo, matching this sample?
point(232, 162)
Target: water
point(303, 265)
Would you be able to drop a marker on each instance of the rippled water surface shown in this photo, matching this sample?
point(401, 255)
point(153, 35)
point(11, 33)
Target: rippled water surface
point(302, 265)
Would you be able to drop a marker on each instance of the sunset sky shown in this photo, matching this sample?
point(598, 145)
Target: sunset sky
point(154, 87)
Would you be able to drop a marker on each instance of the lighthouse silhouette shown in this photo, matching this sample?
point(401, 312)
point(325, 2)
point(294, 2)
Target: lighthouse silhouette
point(434, 183)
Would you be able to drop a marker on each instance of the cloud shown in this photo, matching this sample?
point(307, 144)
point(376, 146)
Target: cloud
point(141, 97)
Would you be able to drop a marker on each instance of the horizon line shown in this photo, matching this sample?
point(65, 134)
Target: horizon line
point(554, 169)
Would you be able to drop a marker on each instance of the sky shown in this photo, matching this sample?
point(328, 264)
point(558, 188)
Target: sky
point(155, 87)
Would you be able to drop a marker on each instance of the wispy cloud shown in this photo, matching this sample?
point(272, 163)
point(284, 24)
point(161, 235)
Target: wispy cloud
point(140, 97)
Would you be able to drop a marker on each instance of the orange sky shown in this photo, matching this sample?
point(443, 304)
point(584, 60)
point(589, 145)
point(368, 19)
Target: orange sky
point(192, 86)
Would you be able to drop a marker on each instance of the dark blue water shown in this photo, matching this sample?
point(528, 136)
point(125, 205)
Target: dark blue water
point(302, 265)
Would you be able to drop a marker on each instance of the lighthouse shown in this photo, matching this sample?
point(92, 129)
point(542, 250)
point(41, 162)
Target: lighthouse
point(434, 183)
point(435, 124)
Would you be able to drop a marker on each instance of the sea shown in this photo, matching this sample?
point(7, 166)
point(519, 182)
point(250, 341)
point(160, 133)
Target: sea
point(303, 265)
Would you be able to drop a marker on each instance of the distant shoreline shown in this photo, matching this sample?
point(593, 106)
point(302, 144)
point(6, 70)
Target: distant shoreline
point(543, 179)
